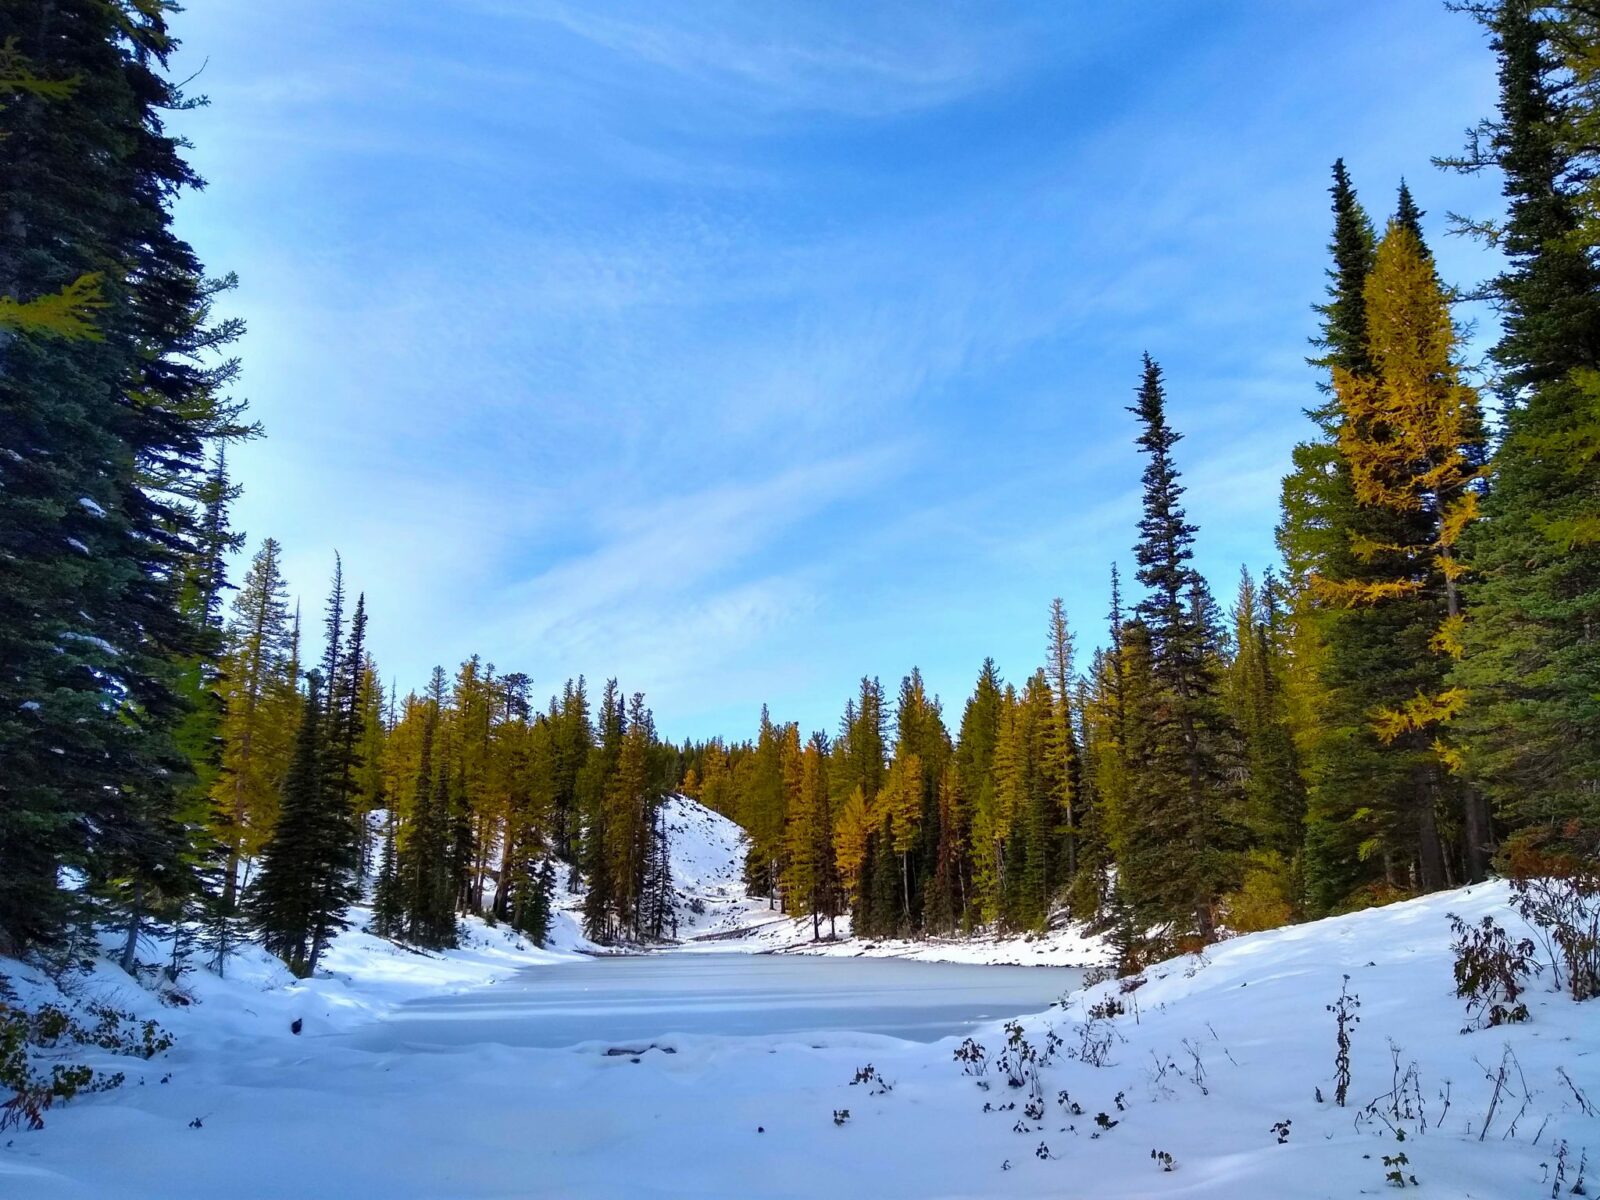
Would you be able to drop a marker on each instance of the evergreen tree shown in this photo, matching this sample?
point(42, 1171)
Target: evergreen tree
point(260, 708)
point(1532, 728)
point(1411, 435)
point(1274, 808)
point(425, 850)
point(106, 433)
point(1064, 765)
point(283, 899)
point(388, 897)
point(1177, 863)
point(601, 887)
point(974, 765)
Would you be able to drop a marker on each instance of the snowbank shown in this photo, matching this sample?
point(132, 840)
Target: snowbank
point(1068, 946)
point(1217, 1062)
point(1221, 1066)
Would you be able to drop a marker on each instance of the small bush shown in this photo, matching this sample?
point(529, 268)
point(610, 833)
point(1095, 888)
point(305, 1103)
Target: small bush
point(1104, 1010)
point(22, 1033)
point(1491, 972)
point(1556, 888)
point(1265, 898)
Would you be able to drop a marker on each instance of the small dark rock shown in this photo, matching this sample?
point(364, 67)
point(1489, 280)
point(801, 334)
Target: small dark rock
point(297, 1025)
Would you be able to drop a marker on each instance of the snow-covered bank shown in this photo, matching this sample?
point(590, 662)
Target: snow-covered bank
point(770, 932)
point(1217, 1062)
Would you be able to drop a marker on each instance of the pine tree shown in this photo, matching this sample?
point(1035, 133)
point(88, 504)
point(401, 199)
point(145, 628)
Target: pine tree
point(1532, 728)
point(1177, 862)
point(1064, 765)
point(106, 432)
point(974, 764)
point(283, 900)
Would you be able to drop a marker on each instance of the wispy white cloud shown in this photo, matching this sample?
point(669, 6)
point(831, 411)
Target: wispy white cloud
point(851, 60)
point(652, 340)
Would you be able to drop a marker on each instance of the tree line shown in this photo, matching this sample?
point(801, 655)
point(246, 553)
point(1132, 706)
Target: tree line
point(1410, 695)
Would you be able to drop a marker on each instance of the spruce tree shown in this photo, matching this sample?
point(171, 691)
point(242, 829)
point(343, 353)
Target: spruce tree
point(1532, 727)
point(974, 765)
point(388, 897)
point(1061, 743)
point(106, 438)
point(1178, 861)
point(283, 899)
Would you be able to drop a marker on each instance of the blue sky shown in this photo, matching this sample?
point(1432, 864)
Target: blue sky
point(738, 349)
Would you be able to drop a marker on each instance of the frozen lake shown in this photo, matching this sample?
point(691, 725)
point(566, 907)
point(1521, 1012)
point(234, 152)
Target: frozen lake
point(633, 1000)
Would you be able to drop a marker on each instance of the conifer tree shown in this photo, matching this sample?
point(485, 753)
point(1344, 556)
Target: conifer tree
point(1061, 742)
point(283, 900)
point(1532, 727)
point(851, 842)
point(1274, 792)
point(1177, 862)
point(974, 765)
point(1411, 435)
point(425, 850)
point(388, 896)
point(260, 699)
point(599, 899)
point(107, 432)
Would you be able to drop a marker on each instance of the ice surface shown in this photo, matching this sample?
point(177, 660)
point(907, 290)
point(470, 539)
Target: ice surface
point(643, 998)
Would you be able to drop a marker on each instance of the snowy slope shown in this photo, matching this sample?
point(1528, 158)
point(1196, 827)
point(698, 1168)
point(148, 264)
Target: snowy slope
point(707, 855)
point(1206, 1061)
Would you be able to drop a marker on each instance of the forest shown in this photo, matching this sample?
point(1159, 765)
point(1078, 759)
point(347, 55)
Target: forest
point(1408, 701)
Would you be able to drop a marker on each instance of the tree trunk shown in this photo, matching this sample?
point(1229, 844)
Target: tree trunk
point(130, 945)
point(1430, 853)
point(1476, 834)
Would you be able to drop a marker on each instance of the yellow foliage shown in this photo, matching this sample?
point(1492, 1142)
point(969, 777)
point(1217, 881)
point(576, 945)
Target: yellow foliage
point(1353, 592)
point(1418, 713)
point(64, 314)
point(1447, 640)
point(850, 842)
point(1265, 897)
point(1407, 426)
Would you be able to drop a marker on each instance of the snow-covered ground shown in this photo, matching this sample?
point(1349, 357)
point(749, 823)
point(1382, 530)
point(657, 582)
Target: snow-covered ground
point(1226, 1063)
point(1067, 946)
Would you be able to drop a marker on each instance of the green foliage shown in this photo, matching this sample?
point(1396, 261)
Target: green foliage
point(1532, 729)
point(107, 441)
point(1177, 830)
point(34, 1091)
